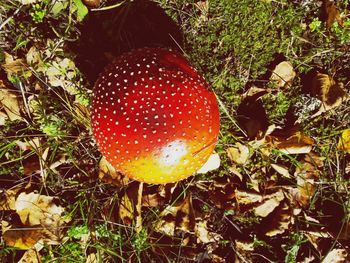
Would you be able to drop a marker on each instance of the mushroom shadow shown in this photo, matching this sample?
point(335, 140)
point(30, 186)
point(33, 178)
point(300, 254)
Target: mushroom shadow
point(107, 34)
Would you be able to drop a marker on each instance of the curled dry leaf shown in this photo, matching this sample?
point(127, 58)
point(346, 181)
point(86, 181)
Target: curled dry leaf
point(282, 74)
point(109, 174)
point(328, 91)
point(316, 238)
point(239, 153)
point(211, 164)
point(344, 141)
point(336, 256)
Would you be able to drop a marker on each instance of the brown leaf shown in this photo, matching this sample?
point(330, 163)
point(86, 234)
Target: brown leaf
point(109, 174)
point(282, 74)
point(247, 198)
point(329, 92)
point(152, 200)
point(297, 143)
point(176, 217)
point(92, 3)
point(20, 238)
point(281, 221)
point(8, 199)
point(281, 169)
point(13, 66)
point(306, 175)
point(332, 13)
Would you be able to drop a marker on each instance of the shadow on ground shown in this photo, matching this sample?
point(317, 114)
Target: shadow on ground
point(107, 34)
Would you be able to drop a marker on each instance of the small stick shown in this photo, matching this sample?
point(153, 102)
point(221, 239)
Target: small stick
point(139, 208)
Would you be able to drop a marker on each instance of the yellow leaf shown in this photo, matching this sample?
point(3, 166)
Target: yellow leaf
point(7, 199)
point(344, 141)
point(126, 210)
point(22, 238)
point(238, 154)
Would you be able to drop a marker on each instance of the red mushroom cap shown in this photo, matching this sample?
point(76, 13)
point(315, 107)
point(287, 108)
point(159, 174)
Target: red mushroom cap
point(153, 116)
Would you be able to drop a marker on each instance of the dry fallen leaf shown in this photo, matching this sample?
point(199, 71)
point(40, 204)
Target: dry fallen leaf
point(328, 91)
point(91, 258)
point(9, 102)
point(281, 169)
point(7, 199)
point(203, 234)
point(35, 209)
point(238, 154)
point(306, 175)
point(281, 221)
point(270, 202)
point(332, 13)
point(247, 198)
point(176, 217)
point(336, 256)
point(126, 210)
point(109, 174)
point(20, 238)
point(211, 164)
point(30, 256)
point(282, 74)
point(297, 143)
point(344, 141)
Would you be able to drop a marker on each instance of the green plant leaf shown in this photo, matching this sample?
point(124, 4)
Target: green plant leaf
point(82, 10)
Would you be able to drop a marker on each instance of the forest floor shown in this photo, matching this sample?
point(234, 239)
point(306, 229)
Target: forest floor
point(275, 190)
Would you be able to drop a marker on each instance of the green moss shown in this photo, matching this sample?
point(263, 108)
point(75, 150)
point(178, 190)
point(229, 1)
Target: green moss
point(242, 36)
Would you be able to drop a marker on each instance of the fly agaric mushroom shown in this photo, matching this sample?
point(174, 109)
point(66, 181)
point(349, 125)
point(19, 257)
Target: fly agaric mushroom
point(153, 116)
